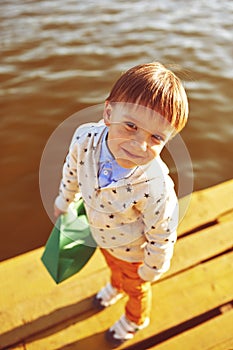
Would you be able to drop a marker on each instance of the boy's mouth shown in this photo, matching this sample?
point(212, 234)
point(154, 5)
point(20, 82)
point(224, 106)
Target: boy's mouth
point(131, 155)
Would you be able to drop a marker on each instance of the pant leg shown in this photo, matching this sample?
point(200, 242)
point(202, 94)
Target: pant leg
point(138, 307)
point(116, 273)
point(124, 277)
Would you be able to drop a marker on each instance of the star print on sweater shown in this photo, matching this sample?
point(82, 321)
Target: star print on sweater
point(134, 216)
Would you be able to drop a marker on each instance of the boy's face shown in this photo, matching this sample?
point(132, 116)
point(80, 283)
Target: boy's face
point(136, 134)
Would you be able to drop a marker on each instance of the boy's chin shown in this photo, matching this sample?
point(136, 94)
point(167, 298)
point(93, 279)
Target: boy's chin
point(125, 163)
point(128, 164)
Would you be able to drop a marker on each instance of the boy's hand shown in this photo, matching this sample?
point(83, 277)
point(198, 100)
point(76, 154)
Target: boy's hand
point(57, 212)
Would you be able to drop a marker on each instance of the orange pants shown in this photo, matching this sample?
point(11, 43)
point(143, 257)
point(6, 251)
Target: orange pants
point(124, 277)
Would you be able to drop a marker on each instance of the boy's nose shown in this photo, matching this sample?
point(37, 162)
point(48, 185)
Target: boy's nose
point(142, 145)
point(141, 139)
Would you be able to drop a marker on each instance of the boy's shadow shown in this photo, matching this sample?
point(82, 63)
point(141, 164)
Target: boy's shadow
point(94, 342)
point(55, 322)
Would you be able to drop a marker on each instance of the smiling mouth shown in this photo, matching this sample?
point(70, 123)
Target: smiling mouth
point(131, 155)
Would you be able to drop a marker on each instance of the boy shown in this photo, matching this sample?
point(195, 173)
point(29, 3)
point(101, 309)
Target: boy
point(129, 197)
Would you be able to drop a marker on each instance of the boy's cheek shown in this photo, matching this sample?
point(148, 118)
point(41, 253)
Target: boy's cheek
point(155, 152)
point(158, 148)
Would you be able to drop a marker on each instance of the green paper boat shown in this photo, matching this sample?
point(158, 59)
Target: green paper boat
point(70, 244)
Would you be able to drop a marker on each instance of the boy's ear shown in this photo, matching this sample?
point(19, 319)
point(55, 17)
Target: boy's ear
point(107, 113)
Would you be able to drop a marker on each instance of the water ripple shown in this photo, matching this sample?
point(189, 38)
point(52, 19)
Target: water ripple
point(58, 57)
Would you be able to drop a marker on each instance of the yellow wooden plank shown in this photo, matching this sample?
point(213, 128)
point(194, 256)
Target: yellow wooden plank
point(28, 293)
point(42, 296)
point(201, 246)
point(206, 205)
point(174, 301)
point(193, 292)
point(29, 268)
point(215, 334)
point(29, 296)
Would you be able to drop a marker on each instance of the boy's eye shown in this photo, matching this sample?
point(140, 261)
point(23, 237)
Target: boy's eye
point(131, 126)
point(158, 138)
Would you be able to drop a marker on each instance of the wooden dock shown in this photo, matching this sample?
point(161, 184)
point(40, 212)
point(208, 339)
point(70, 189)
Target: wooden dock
point(192, 303)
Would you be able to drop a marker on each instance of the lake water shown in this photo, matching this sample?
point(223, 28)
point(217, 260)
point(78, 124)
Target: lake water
point(58, 57)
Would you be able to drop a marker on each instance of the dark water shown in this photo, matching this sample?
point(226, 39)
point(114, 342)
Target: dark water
point(58, 57)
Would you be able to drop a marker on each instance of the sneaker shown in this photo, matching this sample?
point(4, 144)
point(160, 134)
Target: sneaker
point(124, 330)
point(107, 296)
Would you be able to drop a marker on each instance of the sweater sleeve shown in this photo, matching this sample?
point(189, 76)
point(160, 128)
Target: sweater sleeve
point(160, 231)
point(69, 183)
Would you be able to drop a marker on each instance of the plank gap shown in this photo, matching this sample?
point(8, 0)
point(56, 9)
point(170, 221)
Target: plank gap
point(226, 215)
point(229, 250)
point(199, 228)
point(180, 328)
point(224, 252)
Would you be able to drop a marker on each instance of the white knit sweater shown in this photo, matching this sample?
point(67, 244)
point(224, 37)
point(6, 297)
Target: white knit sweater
point(135, 218)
